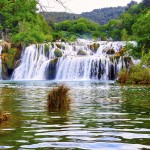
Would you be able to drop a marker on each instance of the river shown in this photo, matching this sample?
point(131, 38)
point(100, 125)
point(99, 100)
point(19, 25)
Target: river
point(102, 116)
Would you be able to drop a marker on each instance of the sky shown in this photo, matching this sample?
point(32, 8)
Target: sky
point(79, 6)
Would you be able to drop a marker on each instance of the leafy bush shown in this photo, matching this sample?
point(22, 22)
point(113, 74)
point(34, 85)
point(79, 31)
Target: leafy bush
point(59, 98)
point(146, 59)
point(133, 50)
point(136, 74)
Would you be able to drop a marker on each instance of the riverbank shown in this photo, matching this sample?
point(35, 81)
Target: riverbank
point(10, 56)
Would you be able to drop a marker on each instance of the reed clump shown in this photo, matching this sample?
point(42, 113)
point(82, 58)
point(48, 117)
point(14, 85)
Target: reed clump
point(59, 98)
point(4, 116)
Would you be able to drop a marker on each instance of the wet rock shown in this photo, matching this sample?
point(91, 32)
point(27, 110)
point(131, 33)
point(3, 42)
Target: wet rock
point(52, 69)
point(94, 47)
point(57, 52)
point(110, 52)
point(81, 52)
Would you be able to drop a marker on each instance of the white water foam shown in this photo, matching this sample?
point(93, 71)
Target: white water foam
point(71, 66)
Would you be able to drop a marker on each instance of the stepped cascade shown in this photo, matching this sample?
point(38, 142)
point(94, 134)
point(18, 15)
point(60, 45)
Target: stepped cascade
point(0, 63)
point(34, 62)
point(82, 60)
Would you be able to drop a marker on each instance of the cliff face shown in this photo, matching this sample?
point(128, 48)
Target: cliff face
point(9, 59)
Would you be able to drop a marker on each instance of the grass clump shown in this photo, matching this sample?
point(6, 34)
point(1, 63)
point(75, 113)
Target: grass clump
point(4, 116)
point(59, 98)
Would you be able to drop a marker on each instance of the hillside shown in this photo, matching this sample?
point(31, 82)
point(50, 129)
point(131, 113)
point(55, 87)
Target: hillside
point(104, 15)
point(101, 16)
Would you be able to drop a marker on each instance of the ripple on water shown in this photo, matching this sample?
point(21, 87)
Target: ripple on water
point(101, 117)
point(87, 146)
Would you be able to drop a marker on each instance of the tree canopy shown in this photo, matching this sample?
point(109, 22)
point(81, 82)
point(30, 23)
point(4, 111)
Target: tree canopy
point(20, 22)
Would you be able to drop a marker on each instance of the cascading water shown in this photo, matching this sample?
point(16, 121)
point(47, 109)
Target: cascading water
point(95, 65)
point(85, 68)
point(0, 64)
point(34, 62)
point(82, 60)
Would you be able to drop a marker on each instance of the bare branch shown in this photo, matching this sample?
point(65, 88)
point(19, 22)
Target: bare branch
point(42, 7)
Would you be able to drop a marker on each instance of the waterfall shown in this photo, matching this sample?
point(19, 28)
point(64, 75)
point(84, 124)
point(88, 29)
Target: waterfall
point(84, 68)
point(34, 62)
point(0, 63)
point(81, 60)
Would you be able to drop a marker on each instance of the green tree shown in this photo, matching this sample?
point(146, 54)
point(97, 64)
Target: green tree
point(81, 28)
point(124, 35)
point(141, 30)
point(22, 23)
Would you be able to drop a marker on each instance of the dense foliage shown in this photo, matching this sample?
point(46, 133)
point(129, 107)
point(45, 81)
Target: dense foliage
point(55, 17)
point(133, 24)
point(20, 23)
point(69, 30)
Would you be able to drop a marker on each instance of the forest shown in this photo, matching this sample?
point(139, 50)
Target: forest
point(101, 16)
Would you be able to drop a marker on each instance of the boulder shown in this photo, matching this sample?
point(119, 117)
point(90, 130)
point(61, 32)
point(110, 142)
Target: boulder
point(81, 52)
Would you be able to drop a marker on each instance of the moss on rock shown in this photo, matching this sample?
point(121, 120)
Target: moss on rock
point(110, 52)
point(94, 47)
point(57, 52)
point(81, 52)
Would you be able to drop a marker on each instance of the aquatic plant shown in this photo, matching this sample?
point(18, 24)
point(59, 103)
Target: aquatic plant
point(4, 116)
point(59, 98)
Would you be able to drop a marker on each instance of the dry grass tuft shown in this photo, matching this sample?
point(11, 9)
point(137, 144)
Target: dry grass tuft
point(5, 116)
point(59, 98)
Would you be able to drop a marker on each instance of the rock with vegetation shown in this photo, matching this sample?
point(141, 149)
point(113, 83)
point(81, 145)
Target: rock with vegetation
point(52, 69)
point(94, 47)
point(110, 51)
point(58, 52)
point(9, 57)
point(60, 46)
point(81, 52)
point(59, 98)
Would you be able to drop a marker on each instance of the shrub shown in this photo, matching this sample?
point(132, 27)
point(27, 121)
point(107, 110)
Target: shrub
point(136, 74)
point(59, 98)
point(48, 38)
point(123, 75)
point(146, 59)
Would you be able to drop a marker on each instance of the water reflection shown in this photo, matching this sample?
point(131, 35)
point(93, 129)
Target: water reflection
point(102, 116)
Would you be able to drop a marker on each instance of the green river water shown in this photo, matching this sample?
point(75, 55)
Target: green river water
point(103, 116)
